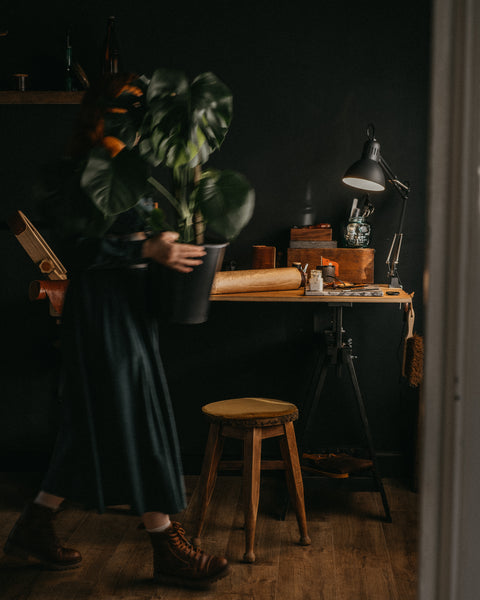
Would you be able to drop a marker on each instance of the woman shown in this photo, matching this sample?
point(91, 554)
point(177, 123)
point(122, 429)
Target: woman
point(117, 442)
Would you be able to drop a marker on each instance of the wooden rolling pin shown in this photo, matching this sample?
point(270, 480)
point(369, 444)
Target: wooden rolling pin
point(257, 280)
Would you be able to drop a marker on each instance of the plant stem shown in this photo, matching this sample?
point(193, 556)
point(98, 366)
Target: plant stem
point(199, 226)
point(198, 222)
point(163, 190)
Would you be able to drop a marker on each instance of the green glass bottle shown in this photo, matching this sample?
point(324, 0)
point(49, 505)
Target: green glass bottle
point(69, 78)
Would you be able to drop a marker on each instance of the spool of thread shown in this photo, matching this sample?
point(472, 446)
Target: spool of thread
point(328, 272)
point(264, 257)
point(20, 81)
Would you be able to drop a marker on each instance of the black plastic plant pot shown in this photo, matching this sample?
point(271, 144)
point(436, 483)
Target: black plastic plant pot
point(191, 291)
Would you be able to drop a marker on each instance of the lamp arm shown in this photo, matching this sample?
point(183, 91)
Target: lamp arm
point(394, 254)
point(402, 188)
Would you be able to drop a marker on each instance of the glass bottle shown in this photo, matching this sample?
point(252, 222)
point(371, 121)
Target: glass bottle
point(111, 53)
point(69, 86)
point(316, 280)
point(357, 233)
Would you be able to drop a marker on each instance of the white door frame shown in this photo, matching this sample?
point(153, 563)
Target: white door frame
point(450, 481)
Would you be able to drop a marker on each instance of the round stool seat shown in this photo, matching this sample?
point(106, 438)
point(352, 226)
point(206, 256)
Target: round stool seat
point(250, 412)
point(251, 420)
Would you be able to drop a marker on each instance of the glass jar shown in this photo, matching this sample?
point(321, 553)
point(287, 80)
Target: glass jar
point(357, 233)
point(316, 280)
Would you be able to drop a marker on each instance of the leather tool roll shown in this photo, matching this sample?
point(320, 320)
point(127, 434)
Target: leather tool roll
point(257, 280)
point(52, 289)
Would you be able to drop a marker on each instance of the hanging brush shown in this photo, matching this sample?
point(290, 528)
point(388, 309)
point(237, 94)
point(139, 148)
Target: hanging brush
point(413, 350)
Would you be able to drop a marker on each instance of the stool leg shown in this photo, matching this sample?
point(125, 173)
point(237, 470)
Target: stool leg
point(208, 476)
point(293, 472)
point(252, 451)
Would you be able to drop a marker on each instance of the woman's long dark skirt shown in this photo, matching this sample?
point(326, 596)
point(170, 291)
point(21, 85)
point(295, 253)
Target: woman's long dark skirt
point(117, 442)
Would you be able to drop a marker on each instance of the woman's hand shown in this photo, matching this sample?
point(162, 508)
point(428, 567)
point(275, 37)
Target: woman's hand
point(165, 250)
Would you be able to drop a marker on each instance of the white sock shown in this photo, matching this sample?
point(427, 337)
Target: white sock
point(161, 528)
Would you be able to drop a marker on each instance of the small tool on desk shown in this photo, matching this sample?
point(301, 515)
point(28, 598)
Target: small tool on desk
point(368, 208)
point(329, 268)
point(353, 210)
point(363, 213)
point(373, 292)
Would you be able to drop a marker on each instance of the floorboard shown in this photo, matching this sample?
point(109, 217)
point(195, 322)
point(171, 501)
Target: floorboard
point(354, 554)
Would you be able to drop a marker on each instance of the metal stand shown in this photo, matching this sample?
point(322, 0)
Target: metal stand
point(339, 352)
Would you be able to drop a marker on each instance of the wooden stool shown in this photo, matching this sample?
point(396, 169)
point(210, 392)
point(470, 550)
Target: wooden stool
point(252, 420)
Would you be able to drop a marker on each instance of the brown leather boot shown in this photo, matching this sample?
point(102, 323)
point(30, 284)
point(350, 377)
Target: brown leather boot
point(176, 561)
point(33, 536)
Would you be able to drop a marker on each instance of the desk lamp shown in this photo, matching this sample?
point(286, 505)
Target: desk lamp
point(369, 173)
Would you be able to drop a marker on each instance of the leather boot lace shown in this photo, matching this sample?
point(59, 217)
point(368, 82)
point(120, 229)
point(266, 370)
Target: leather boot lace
point(178, 561)
point(179, 539)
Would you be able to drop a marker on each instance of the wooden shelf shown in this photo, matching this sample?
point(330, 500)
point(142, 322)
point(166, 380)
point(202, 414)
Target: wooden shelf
point(32, 97)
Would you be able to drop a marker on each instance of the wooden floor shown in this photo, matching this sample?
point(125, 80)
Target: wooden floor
point(354, 555)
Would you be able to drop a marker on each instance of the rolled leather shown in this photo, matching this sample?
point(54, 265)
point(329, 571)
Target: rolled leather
point(257, 280)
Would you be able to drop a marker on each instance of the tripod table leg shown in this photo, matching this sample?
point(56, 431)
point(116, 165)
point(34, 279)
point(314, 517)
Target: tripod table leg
point(347, 357)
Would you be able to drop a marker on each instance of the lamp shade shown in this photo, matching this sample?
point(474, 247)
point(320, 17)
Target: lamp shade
point(366, 173)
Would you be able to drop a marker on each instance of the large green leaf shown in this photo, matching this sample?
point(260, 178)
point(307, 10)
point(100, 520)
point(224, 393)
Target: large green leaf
point(226, 201)
point(114, 184)
point(184, 123)
point(212, 107)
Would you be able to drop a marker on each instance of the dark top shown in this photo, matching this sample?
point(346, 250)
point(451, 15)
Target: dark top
point(117, 442)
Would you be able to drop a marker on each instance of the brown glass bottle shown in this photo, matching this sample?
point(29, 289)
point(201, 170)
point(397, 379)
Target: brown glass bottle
point(111, 54)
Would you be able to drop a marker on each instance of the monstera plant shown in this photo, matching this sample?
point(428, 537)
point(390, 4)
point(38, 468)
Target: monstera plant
point(168, 121)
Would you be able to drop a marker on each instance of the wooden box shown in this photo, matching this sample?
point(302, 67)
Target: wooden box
point(311, 233)
point(356, 265)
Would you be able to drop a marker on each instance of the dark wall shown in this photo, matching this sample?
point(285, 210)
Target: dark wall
point(307, 78)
